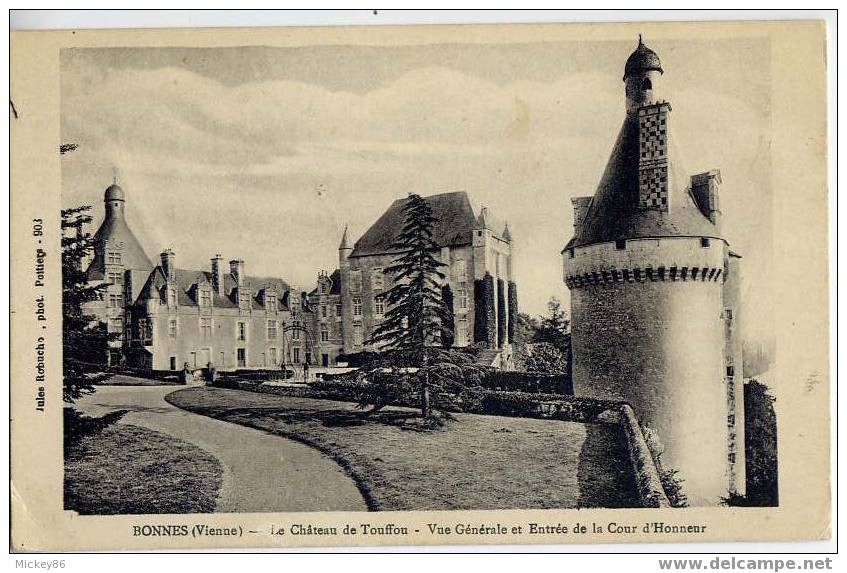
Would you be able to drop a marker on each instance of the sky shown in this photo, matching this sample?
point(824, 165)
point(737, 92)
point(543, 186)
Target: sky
point(266, 153)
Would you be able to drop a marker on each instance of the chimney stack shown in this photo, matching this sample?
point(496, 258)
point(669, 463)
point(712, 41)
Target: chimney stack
point(168, 263)
point(704, 187)
point(217, 273)
point(236, 267)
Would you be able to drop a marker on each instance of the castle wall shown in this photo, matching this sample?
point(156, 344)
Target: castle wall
point(656, 339)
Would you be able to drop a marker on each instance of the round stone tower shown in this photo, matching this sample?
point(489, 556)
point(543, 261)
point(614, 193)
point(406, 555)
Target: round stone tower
point(645, 269)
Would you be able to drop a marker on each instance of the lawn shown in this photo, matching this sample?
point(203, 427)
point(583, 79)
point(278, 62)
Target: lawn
point(474, 462)
point(126, 469)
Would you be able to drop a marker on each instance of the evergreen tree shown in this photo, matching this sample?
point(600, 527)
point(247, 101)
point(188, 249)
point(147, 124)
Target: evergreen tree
point(84, 340)
point(418, 317)
point(555, 327)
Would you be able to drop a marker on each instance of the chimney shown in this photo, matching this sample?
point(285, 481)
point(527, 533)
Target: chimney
point(580, 208)
point(217, 273)
point(653, 156)
point(168, 263)
point(236, 267)
point(704, 187)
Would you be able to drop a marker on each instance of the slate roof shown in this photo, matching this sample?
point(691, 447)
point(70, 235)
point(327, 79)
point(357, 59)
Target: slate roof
point(187, 294)
point(116, 230)
point(641, 60)
point(456, 222)
point(614, 212)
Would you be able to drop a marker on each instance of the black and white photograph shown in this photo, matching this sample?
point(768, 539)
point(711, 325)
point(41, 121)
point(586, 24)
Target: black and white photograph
point(441, 274)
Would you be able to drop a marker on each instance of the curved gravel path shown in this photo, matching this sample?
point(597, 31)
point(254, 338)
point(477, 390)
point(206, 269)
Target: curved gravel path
point(262, 472)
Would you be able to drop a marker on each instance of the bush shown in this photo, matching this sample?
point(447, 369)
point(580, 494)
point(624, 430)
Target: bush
point(531, 382)
point(77, 426)
point(760, 446)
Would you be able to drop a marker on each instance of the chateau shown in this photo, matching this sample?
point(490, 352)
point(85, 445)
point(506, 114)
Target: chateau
point(166, 316)
point(477, 253)
point(654, 296)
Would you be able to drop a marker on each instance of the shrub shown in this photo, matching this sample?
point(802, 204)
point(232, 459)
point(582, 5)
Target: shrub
point(531, 382)
point(760, 446)
point(77, 426)
point(545, 357)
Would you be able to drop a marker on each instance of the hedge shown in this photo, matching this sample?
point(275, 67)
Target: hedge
point(531, 382)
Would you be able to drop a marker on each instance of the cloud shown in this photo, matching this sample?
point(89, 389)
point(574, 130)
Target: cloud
point(271, 171)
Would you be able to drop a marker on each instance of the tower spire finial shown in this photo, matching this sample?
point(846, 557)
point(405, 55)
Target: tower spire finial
point(640, 43)
point(114, 175)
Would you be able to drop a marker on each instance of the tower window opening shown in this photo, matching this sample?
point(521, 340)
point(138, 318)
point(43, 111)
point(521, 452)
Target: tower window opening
point(705, 242)
point(646, 84)
point(620, 244)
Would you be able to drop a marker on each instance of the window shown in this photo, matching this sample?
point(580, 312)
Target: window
point(324, 335)
point(338, 312)
point(171, 297)
point(460, 270)
point(730, 371)
point(570, 253)
point(206, 327)
point(355, 281)
point(116, 324)
point(271, 329)
point(324, 287)
point(241, 357)
point(463, 296)
point(728, 313)
point(295, 334)
point(357, 306)
point(272, 356)
point(620, 244)
point(296, 356)
point(270, 301)
point(242, 331)
point(243, 300)
point(704, 242)
point(324, 311)
point(358, 335)
point(116, 300)
point(462, 332)
point(114, 258)
point(205, 298)
point(379, 305)
point(173, 362)
point(116, 278)
point(172, 327)
point(646, 84)
point(731, 457)
point(377, 278)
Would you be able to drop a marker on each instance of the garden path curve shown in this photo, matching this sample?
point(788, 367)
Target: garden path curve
point(262, 472)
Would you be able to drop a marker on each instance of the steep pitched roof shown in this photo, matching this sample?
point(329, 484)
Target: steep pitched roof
point(614, 212)
point(453, 211)
point(116, 231)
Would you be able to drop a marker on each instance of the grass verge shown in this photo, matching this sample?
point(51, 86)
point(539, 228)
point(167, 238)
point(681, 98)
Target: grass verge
point(125, 469)
point(474, 462)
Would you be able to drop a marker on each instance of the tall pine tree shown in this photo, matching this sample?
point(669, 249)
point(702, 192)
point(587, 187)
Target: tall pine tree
point(84, 340)
point(418, 317)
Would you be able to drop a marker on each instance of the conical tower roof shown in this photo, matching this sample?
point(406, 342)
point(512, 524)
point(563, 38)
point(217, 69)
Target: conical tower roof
point(115, 233)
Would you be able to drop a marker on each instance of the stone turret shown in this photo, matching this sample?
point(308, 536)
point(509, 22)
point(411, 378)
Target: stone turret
point(646, 268)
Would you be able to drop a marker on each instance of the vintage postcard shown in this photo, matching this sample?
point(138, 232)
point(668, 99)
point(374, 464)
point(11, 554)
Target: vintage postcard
point(419, 285)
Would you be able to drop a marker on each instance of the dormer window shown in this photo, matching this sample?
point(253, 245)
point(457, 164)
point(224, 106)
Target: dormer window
point(324, 287)
point(171, 296)
point(270, 301)
point(113, 258)
point(205, 298)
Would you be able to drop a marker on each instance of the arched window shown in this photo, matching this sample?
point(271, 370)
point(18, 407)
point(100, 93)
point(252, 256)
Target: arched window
point(646, 84)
